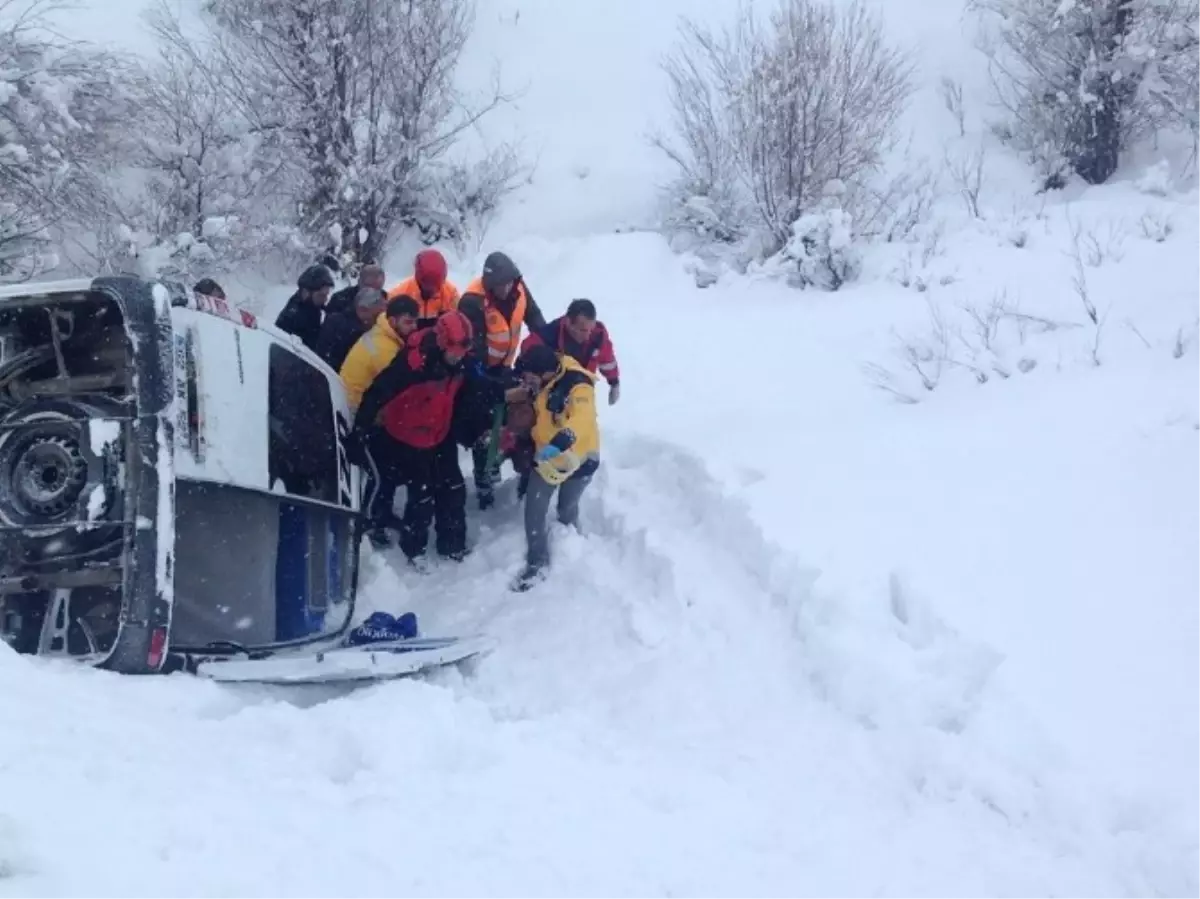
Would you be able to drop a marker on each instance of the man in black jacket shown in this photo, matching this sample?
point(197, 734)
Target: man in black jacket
point(343, 327)
point(301, 315)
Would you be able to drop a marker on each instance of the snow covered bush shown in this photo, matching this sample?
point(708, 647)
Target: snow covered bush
point(357, 99)
point(62, 113)
point(702, 210)
point(766, 114)
point(1156, 179)
point(1080, 79)
point(821, 247)
point(984, 342)
point(901, 204)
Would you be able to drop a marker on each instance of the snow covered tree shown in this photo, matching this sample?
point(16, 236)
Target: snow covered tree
point(704, 200)
point(785, 107)
point(1080, 78)
point(1165, 38)
point(203, 200)
point(358, 98)
point(61, 110)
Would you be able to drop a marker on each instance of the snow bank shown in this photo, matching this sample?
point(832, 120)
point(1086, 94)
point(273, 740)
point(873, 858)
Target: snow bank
point(1052, 512)
point(870, 741)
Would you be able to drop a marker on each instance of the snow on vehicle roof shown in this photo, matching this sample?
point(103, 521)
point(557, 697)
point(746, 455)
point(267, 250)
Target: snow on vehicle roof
point(217, 308)
point(232, 313)
point(44, 288)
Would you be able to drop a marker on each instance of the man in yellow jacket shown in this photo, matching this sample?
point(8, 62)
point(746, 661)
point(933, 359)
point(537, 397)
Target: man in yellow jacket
point(566, 438)
point(374, 352)
point(376, 349)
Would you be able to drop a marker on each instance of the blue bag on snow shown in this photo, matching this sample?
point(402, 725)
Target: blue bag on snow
point(380, 627)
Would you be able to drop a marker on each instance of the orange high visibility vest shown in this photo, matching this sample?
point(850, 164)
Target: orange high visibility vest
point(503, 335)
point(445, 299)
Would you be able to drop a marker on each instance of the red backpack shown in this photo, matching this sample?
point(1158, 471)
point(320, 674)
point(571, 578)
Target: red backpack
point(420, 415)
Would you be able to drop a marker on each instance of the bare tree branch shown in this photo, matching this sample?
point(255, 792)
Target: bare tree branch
point(767, 115)
point(360, 98)
point(64, 109)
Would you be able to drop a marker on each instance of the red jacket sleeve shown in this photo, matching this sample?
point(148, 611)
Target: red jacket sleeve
point(532, 339)
point(606, 359)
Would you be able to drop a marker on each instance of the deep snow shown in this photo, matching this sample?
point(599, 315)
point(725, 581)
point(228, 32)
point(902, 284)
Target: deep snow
point(812, 640)
point(686, 707)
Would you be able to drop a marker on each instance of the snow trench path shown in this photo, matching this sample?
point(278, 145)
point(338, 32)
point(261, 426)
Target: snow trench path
point(818, 744)
point(677, 710)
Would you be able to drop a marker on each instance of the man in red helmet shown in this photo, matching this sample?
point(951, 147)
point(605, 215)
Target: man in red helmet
point(429, 287)
point(413, 402)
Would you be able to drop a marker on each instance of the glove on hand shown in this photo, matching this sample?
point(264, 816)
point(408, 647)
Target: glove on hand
point(559, 444)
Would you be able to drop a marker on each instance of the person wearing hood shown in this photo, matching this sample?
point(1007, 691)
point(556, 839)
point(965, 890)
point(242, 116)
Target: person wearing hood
point(566, 449)
point(302, 314)
point(498, 304)
point(429, 287)
point(343, 327)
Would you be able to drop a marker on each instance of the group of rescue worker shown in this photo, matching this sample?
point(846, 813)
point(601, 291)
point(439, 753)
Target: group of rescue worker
point(427, 369)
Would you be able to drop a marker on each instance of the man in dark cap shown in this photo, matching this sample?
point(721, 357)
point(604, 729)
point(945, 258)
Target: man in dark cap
point(302, 315)
point(498, 305)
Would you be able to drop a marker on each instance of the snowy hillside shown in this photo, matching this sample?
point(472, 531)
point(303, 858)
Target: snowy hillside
point(719, 691)
point(844, 620)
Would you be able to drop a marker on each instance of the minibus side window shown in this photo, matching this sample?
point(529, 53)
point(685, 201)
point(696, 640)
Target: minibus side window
point(302, 446)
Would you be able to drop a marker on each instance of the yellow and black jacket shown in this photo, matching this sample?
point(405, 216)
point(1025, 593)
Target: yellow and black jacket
point(373, 353)
point(566, 419)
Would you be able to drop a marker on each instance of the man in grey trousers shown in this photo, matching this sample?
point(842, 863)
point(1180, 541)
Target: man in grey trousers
point(566, 441)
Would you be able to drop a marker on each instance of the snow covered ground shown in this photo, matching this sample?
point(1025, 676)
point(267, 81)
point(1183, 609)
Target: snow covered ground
point(813, 641)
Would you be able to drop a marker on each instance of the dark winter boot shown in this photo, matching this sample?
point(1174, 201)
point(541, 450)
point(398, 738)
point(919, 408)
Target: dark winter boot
point(529, 578)
point(379, 537)
point(418, 563)
point(485, 478)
